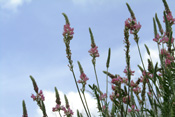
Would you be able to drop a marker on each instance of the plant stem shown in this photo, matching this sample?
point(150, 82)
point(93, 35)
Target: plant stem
point(86, 103)
point(96, 77)
point(60, 114)
point(106, 91)
point(79, 92)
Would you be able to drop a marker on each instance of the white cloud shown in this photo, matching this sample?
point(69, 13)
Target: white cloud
point(12, 4)
point(74, 102)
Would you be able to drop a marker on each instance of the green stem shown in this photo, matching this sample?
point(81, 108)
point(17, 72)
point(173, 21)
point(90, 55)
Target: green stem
point(60, 114)
point(146, 74)
point(106, 92)
point(79, 92)
point(86, 103)
point(96, 77)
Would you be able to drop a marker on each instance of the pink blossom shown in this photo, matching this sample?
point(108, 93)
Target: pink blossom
point(94, 52)
point(126, 72)
point(83, 78)
point(132, 106)
point(129, 110)
point(125, 99)
point(116, 80)
point(167, 61)
point(169, 18)
point(112, 96)
point(102, 96)
point(117, 95)
point(150, 94)
point(68, 30)
point(132, 83)
point(137, 110)
point(33, 96)
point(132, 25)
point(156, 39)
point(144, 73)
point(113, 87)
point(137, 90)
point(125, 80)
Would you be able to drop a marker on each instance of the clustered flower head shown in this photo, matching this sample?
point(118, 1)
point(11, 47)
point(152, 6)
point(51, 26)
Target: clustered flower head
point(83, 78)
point(163, 39)
point(130, 72)
point(102, 96)
point(169, 18)
point(68, 31)
point(133, 109)
point(132, 25)
point(156, 39)
point(94, 52)
point(39, 96)
point(168, 57)
point(67, 111)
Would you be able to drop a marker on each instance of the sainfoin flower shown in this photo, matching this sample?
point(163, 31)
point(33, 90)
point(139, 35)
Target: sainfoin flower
point(94, 52)
point(132, 25)
point(169, 18)
point(131, 72)
point(156, 39)
point(38, 97)
point(103, 96)
point(68, 31)
point(83, 78)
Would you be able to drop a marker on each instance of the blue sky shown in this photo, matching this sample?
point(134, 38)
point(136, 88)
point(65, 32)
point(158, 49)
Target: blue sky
point(31, 43)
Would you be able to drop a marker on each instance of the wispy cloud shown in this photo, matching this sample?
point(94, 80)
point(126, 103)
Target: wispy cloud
point(12, 4)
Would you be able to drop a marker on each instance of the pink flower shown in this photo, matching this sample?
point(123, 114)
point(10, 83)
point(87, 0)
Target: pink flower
point(68, 31)
point(103, 96)
point(156, 39)
point(129, 110)
point(169, 18)
point(144, 73)
point(116, 80)
point(126, 72)
point(132, 25)
point(33, 96)
point(125, 80)
point(137, 90)
point(112, 96)
point(132, 83)
point(117, 95)
point(137, 110)
point(150, 94)
point(138, 26)
point(125, 99)
point(113, 87)
point(132, 106)
point(83, 78)
point(94, 52)
point(167, 61)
